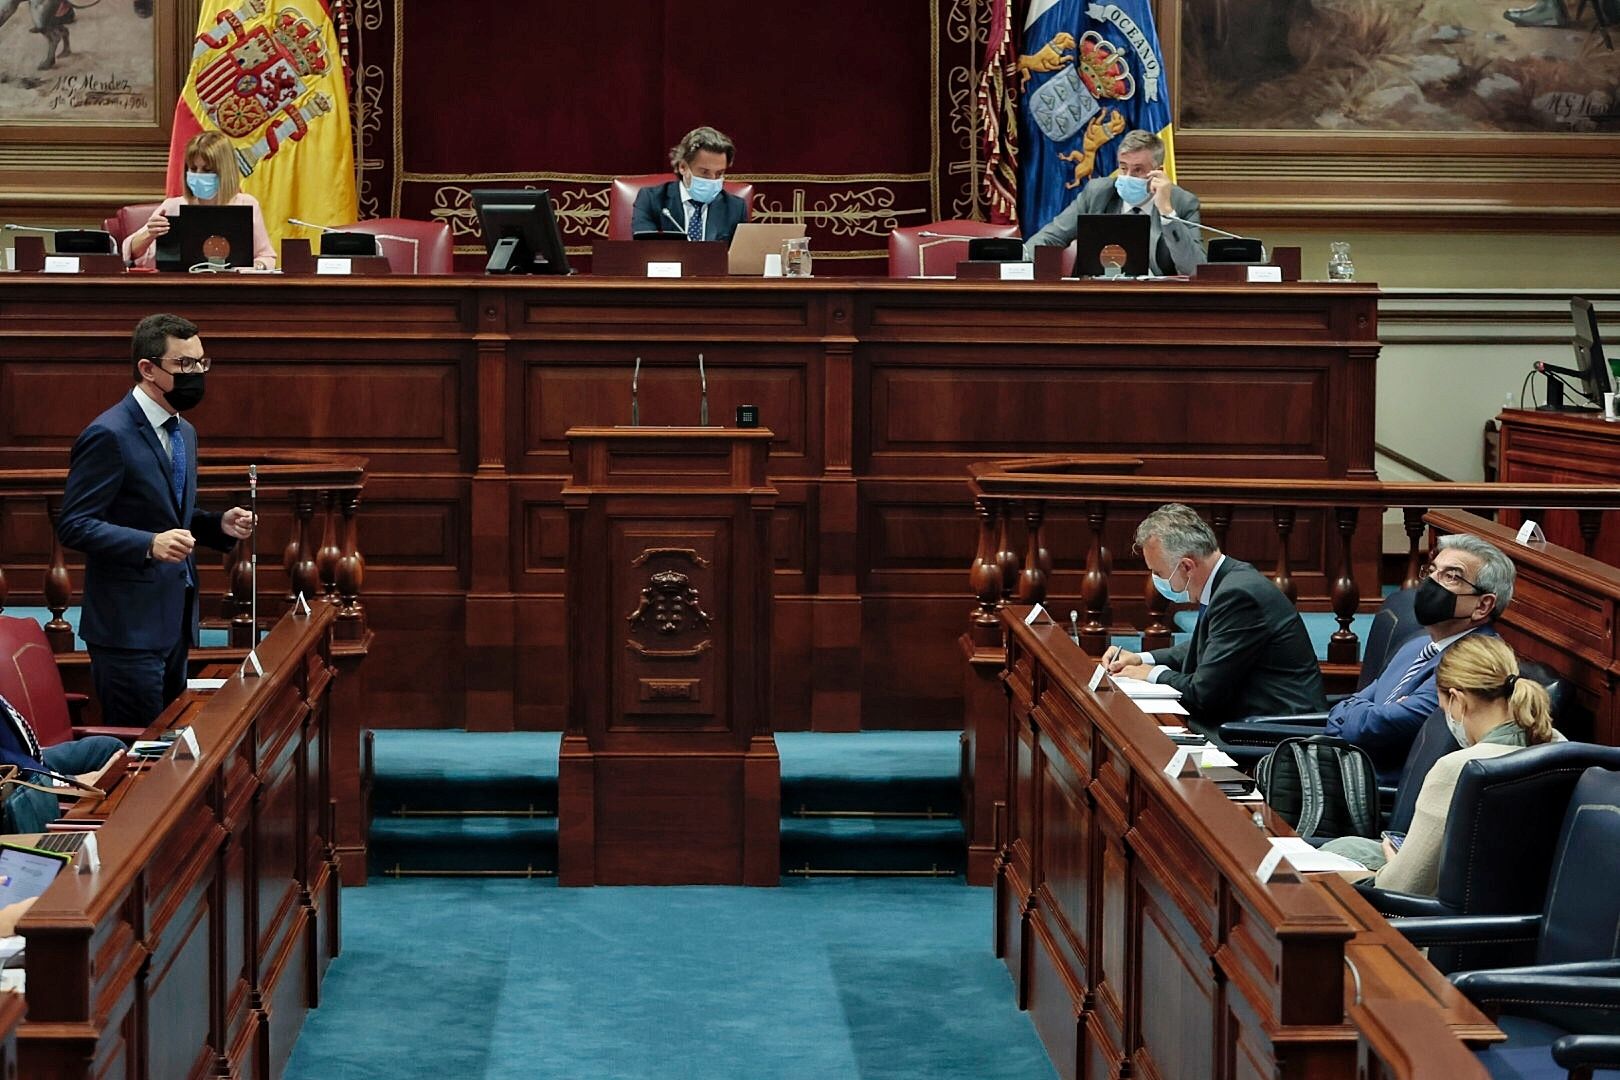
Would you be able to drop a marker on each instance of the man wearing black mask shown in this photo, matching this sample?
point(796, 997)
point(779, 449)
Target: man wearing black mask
point(131, 508)
point(1467, 586)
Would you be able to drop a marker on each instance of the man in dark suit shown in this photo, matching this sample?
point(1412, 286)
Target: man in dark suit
point(131, 508)
point(695, 203)
point(1139, 187)
point(1467, 586)
point(1249, 654)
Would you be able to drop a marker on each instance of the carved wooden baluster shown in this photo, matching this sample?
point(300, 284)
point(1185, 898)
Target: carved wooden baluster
point(1006, 557)
point(1037, 561)
point(1412, 522)
point(985, 576)
point(58, 587)
point(1591, 523)
point(227, 601)
point(292, 553)
point(1344, 645)
point(351, 570)
point(1158, 633)
point(1221, 521)
point(306, 580)
point(1094, 587)
point(326, 559)
point(1283, 518)
point(241, 585)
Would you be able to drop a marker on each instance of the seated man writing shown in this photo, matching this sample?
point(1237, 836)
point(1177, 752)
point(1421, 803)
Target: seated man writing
point(1139, 187)
point(1249, 654)
point(83, 759)
point(1467, 586)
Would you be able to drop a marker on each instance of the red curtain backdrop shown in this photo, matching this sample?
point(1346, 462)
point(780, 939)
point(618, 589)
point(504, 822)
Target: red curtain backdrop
point(851, 116)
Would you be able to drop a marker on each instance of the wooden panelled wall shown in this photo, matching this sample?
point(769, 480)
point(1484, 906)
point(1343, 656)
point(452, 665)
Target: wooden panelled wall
point(460, 390)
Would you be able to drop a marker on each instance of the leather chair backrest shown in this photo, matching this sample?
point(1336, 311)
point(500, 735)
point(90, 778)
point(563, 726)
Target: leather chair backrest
point(622, 199)
point(1391, 628)
point(1504, 824)
point(435, 253)
point(1559, 691)
point(1582, 913)
point(128, 219)
point(30, 681)
point(908, 257)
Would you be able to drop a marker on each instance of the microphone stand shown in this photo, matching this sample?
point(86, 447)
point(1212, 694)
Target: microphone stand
point(635, 403)
point(251, 668)
point(679, 228)
point(703, 382)
point(1213, 229)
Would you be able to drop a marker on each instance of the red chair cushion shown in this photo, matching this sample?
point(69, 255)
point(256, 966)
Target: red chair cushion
point(434, 254)
point(30, 681)
point(909, 258)
point(622, 199)
point(128, 219)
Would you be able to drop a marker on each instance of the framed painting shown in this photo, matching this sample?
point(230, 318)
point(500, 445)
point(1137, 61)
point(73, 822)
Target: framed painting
point(1400, 107)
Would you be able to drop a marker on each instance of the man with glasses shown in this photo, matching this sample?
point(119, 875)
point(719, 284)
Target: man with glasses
point(1467, 586)
point(131, 508)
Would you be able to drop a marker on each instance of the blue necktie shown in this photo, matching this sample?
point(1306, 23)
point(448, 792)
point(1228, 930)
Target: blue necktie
point(177, 471)
point(694, 220)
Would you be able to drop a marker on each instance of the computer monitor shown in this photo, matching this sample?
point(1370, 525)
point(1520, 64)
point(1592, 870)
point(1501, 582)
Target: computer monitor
point(1094, 232)
point(1591, 368)
point(520, 231)
point(85, 242)
point(202, 234)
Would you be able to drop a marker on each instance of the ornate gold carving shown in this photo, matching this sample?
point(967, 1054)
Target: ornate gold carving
point(868, 212)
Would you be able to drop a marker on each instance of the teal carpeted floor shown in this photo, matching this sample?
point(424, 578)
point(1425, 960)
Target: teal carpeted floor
point(817, 980)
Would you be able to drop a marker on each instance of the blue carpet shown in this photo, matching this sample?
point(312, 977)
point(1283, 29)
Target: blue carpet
point(917, 772)
point(211, 638)
point(817, 980)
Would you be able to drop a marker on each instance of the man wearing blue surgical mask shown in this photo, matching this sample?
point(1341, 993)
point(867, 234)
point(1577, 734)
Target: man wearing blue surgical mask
point(1139, 187)
point(694, 204)
point(1249, 653)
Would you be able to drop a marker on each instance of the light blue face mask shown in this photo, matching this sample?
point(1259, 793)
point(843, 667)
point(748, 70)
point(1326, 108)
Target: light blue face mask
point(203, 185)
point(1175, 596)
point(1133, 189)
point(703, 190)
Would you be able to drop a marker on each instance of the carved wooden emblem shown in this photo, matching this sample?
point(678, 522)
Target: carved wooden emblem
point(670, 602)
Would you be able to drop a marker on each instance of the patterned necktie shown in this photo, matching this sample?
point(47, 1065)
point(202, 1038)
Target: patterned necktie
point(24, 728)
point(694, 220)
point(1428, 653)
point(177, 460)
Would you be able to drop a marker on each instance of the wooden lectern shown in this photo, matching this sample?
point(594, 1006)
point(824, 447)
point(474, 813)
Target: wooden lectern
point(669, 773)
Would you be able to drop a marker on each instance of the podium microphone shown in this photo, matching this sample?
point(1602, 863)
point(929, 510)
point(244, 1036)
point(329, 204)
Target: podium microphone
point(311, 225)
point(703, 382)
point(678, 226)
point(635, 405)
point(1261, 255)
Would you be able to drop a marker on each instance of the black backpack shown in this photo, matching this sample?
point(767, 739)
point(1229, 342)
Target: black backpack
point(1322, 786)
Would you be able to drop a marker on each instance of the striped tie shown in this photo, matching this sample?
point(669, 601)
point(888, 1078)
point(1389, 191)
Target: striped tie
point(1428, 653)
point(24, 728)
point(694, 220)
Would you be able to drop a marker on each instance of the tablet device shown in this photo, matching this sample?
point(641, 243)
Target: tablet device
point(26, 872)
point(1093, 232)
point(754, 240)
point(197, 230)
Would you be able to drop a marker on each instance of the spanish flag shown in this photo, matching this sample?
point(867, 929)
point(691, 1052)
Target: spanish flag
point(270, 77)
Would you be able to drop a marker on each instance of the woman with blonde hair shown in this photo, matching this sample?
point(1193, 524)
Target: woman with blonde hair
point(1491, 710)
point(212, 179)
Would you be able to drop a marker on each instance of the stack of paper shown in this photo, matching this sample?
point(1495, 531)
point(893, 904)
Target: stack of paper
point(1307, 859)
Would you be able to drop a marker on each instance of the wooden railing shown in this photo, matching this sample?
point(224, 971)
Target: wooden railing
point(321, 494)
point(1025, 490)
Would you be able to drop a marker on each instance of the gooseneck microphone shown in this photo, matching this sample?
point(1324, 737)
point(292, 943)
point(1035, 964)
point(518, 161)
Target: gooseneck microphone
point(635, 405)
point(1172, 216)
point(416, 245)
point(703, 383)
point(678, 226)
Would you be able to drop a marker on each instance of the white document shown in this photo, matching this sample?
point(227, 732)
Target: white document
point(1171, 729)
point(663, 269)
point(61, 264)
point(1141, 688)
point(1214, 755)
point(1307, 859)
point(1265, 273)
point(1530, 533)
point(1018, 271)
point(1165, 706)
point(204, 684)
point(333, 266)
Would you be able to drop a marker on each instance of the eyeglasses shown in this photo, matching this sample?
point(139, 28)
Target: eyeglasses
point(189, 365)
point(1449, 576)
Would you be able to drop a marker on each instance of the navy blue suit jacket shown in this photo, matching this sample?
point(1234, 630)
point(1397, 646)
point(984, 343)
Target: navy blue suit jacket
point(118, 498)
point(721, 219)
point(14, 740)
point(1385, 729)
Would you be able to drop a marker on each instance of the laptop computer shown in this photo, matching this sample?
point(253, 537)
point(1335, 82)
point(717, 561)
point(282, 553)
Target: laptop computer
point(195, 224)
point(1093, 232)
point(754, 240)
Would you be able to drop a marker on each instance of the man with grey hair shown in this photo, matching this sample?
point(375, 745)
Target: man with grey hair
point(1249, 654)
point(1469, 583)
point(694, 204)
point(1140, 186)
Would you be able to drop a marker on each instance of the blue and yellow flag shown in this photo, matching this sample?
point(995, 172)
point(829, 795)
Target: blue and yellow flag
point(1090, 71)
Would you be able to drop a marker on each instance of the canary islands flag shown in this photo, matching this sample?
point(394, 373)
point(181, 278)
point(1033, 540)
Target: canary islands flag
point(269, 76)
point(1090, 71)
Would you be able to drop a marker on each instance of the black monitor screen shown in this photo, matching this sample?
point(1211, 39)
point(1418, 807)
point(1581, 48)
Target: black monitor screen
point(85, 242)
point(520, 231)
point(1589, 359)
point(202, 234)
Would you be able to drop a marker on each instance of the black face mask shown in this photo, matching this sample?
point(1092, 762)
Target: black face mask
point(187, 392)
point(1434, 603)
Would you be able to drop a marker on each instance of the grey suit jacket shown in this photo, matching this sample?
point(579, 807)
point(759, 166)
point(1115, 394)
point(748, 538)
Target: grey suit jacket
point(1173, 246)
point(1249, 655)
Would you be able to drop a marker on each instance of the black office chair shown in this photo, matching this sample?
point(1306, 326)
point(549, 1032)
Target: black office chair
point(1567, 1004)
point(1253, 737)
point(1497, 855)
